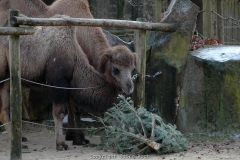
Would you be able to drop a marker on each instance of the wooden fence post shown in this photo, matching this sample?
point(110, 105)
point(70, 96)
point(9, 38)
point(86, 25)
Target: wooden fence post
point(15, 92)
point(140, 49)
point(207, 23)
point(220, 29)
point(158, 10)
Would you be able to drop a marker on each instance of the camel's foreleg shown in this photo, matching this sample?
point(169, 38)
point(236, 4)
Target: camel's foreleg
point(70, 132)
point(58, 115)
point(79, 138)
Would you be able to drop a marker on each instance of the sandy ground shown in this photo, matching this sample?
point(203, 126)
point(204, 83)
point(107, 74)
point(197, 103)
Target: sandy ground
point(41, 146)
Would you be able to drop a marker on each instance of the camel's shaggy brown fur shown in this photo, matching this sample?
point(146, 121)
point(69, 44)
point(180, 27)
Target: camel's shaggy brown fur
point(91, 39)
point(53, 56)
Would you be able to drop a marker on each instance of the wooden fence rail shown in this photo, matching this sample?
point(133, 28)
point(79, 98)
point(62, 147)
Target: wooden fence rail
point(167, 27)
point(15, 70)
point(16, 30)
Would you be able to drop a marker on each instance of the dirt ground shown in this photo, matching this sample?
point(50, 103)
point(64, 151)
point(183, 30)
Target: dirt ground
point(41, 146)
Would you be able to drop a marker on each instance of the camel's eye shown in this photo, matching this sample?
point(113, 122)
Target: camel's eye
point(116, 71)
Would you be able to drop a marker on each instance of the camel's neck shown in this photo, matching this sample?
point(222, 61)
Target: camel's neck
point(86, 74)
point(93, 43)
point(98, 94)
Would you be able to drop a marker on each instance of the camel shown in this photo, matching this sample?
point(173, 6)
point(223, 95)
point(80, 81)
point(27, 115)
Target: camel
point(91, 39)
point(58, 60)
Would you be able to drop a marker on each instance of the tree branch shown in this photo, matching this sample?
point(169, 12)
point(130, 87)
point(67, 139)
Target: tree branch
point(237, 22)
point(152, 144)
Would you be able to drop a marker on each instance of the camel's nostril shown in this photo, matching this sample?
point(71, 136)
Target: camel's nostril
point(131, 91)
point(130, 88)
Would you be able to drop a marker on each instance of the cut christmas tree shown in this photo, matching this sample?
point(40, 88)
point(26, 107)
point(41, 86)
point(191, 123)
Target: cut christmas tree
point(138, 131)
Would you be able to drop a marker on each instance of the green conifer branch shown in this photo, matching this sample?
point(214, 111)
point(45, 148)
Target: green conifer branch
point(122, 124)
point(124, 118)
point(134, 111)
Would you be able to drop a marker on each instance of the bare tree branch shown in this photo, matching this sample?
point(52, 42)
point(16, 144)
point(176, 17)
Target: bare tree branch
point(230, 19)
point(236, 41)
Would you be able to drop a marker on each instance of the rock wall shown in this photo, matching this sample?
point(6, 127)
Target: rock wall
point(167, 52)
point(210, 95)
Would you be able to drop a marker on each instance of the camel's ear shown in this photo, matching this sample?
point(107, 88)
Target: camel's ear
point(109, 56)
point(134, 55)
point(103, 63)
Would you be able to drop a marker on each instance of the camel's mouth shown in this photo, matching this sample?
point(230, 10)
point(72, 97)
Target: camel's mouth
point(129, 91)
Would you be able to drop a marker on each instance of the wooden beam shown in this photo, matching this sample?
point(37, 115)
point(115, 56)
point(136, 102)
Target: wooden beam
point(95, 23)
point(16, 31)
point(15, 93)
point(158, 10)
point(220, 25)
point(207, 24)
point(140, 49)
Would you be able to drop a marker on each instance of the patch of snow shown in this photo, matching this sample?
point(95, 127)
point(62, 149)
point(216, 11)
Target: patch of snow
point(65, 119)
point(218, 53)
point(4, 132)
point(87, 119)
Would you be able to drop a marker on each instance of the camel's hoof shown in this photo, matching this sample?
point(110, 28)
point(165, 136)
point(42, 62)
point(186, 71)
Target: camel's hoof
point(62, 147)
point(69, 137)
point(24, 147)
point(80, 142)
point(24, 139)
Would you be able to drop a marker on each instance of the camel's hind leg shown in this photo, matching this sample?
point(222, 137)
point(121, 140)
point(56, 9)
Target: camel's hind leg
point(5, 106)
point(58, 115)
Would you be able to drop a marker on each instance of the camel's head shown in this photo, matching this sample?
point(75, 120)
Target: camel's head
point(117, 65)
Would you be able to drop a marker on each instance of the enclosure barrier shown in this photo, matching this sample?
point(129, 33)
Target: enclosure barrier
point(67, 21)
point(14, 31)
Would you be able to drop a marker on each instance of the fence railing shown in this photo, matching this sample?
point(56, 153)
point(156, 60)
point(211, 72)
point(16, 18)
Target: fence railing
point(68, 21)
point(15, 69)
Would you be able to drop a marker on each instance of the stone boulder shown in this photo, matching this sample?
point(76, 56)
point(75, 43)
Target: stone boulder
point(210, 94)
point(167, 53)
